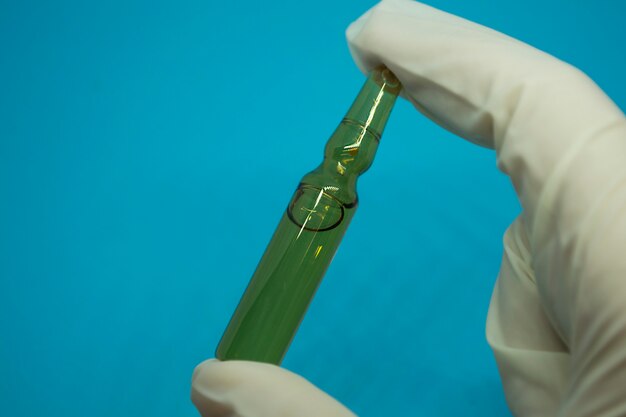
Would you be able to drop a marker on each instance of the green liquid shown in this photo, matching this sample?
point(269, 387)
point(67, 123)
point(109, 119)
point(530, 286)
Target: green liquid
point(280, 291)
point(309, 233)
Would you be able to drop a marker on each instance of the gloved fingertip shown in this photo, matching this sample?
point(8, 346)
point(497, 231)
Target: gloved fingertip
point(356, 27)
point(352, 33)
point(202, 366)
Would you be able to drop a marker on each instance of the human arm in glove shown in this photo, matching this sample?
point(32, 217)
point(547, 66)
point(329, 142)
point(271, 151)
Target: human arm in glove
point(557, 319)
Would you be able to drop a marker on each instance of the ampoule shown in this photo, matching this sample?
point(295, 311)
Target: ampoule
point(309, 232)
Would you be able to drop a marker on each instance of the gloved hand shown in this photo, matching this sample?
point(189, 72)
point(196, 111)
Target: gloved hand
point(557, 320)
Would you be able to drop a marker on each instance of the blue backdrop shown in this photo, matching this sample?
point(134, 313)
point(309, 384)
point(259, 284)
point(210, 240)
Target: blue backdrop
point(147, 151)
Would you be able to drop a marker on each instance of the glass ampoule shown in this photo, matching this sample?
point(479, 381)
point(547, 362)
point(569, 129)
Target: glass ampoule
point(309, 232)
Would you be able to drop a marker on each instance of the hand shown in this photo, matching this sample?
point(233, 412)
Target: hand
point(557, 320)
point(252, 389)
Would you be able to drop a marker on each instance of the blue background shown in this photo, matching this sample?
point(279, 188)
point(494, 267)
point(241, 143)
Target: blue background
point(147, 151)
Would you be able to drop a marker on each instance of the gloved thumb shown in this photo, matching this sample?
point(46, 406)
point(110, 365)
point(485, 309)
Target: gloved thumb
point(251, 389)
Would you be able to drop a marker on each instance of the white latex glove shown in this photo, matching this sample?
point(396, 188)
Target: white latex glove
point(557, 320)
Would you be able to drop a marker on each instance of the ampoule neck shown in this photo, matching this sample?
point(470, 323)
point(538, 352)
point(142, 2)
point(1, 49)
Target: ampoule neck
point(373, 104)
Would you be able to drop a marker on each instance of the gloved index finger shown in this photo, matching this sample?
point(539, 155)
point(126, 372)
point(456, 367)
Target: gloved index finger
point(488, 88)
